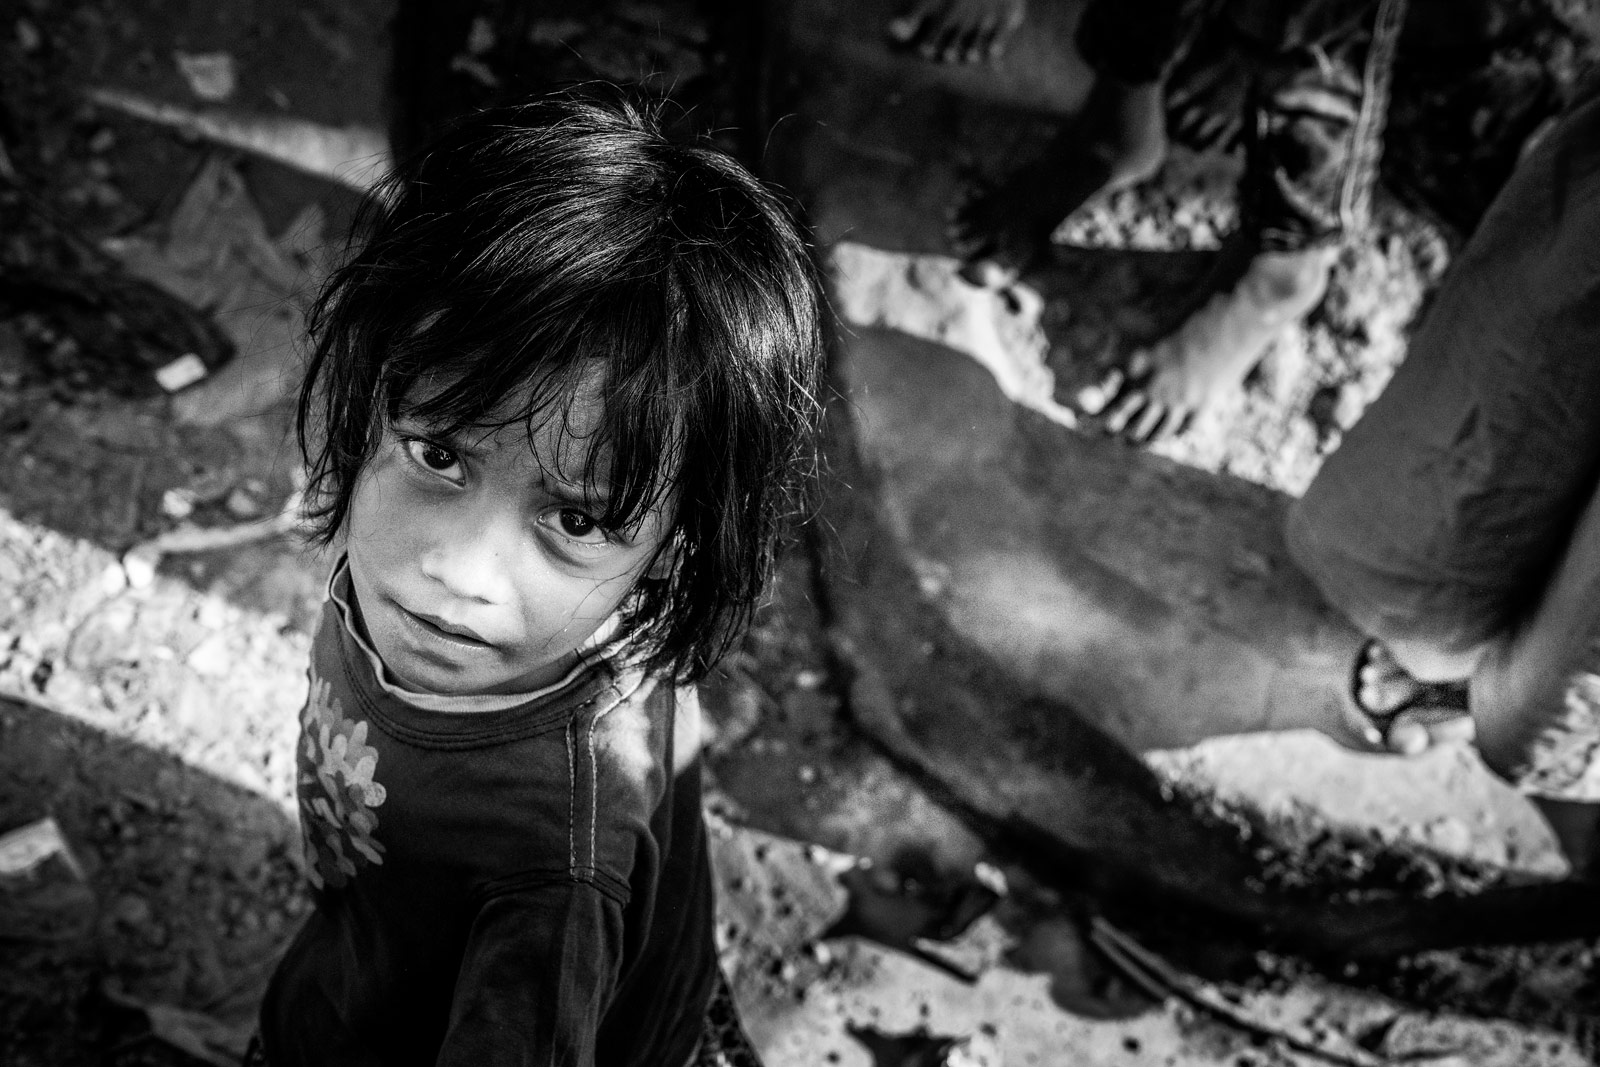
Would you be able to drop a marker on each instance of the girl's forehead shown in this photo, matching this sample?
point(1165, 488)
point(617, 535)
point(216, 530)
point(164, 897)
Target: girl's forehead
point(562, 441)
point(563, 419)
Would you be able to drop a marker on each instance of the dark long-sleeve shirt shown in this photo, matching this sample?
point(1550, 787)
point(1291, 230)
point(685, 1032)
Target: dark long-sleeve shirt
point(521, 885)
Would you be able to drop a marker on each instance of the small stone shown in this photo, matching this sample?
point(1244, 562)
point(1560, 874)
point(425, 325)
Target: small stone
point(807, 773)
point(212, 613)
point(185, 370)
point(991, 878)
point(481, 37)
point(211, 75)
point(1448, 835)
point(24, 849)
point(132, 911)
point(809, 679)
point(29, 39)
point(177, 503)
point(241, 505)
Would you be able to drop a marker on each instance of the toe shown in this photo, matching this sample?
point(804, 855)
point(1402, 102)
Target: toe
point(986, 273)
point(947, 45)
point(1177, 420)
point(1381, 691)
point(1407, 738)
point(1095, 398)
point(969, 46)
point(986, 44)
point(1149, 423)
point(967, 239)
point(1125, 409)
point(1140, 364)
point(1420, 729)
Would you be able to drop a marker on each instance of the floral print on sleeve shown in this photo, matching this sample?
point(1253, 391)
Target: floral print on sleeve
point(339, 796)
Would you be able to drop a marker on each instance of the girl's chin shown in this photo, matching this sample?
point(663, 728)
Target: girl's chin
point(439, 676)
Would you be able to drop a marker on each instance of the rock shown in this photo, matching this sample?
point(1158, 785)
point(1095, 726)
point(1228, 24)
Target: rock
point(131, 911)
point(809, 678)
point(212, 613)
point(211, 75)
point(210, 657)
point(29, 39)
point(177, 503)
point(242, 505)
point(26, 848)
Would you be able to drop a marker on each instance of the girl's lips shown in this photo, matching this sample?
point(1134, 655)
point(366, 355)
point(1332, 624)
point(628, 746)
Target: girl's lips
point(442, 628)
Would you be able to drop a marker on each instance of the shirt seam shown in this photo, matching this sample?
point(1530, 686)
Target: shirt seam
point(536, 877)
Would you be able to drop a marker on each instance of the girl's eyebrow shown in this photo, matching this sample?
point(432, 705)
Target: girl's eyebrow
point(456, 440)
point(574, 492)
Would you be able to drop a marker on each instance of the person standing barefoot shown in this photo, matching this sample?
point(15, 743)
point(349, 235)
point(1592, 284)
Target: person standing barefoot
point(958, 31)
point(1291, 79)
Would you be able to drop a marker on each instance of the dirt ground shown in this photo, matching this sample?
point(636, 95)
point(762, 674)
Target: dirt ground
point(155, 607)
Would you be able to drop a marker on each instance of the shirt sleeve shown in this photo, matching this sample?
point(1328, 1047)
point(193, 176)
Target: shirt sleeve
point(538, 972)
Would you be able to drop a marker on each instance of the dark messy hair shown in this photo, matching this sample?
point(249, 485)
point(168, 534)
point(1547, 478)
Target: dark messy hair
point(534, 247)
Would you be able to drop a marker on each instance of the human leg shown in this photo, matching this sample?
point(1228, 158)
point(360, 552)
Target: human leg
point(1165, 385)
point(1117, 138)
point(1305, 146)
point(1435, 523)
point(1536, 692)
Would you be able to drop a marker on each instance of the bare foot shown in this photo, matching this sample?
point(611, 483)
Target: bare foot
point(1118, 139)
point(1166, 385)
point(958, 31)
point(1424, 714)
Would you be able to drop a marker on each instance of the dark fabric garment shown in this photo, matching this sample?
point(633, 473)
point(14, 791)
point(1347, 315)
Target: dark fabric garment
point(529, 886)
point(1134, 41)
point(1441, 515)
point(723, 1039)
point(1283, 77)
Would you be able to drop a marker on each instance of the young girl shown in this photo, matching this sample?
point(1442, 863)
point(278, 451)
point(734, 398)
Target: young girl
point(560, 405)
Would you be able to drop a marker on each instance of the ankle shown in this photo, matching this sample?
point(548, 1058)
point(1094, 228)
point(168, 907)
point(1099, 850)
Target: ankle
point(1281, 286)
point(1125, 126)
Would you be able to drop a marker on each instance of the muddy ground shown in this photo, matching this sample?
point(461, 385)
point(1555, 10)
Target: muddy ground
point(151, 667)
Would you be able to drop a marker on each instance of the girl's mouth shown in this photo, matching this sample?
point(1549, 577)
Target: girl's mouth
point(443, 629)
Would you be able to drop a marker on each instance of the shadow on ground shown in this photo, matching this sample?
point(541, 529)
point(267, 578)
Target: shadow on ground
point(190, 888)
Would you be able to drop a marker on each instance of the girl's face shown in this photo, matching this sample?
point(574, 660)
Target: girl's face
point(480, 569)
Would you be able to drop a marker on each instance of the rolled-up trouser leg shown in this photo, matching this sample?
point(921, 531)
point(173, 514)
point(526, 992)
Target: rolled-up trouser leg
point(1442, 515)
point(1536, 693)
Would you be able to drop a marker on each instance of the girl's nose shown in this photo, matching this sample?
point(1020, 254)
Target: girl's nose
point(468, 556)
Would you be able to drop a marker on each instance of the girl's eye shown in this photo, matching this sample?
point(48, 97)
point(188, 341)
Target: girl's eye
point(576, 525)
point(432, 457)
